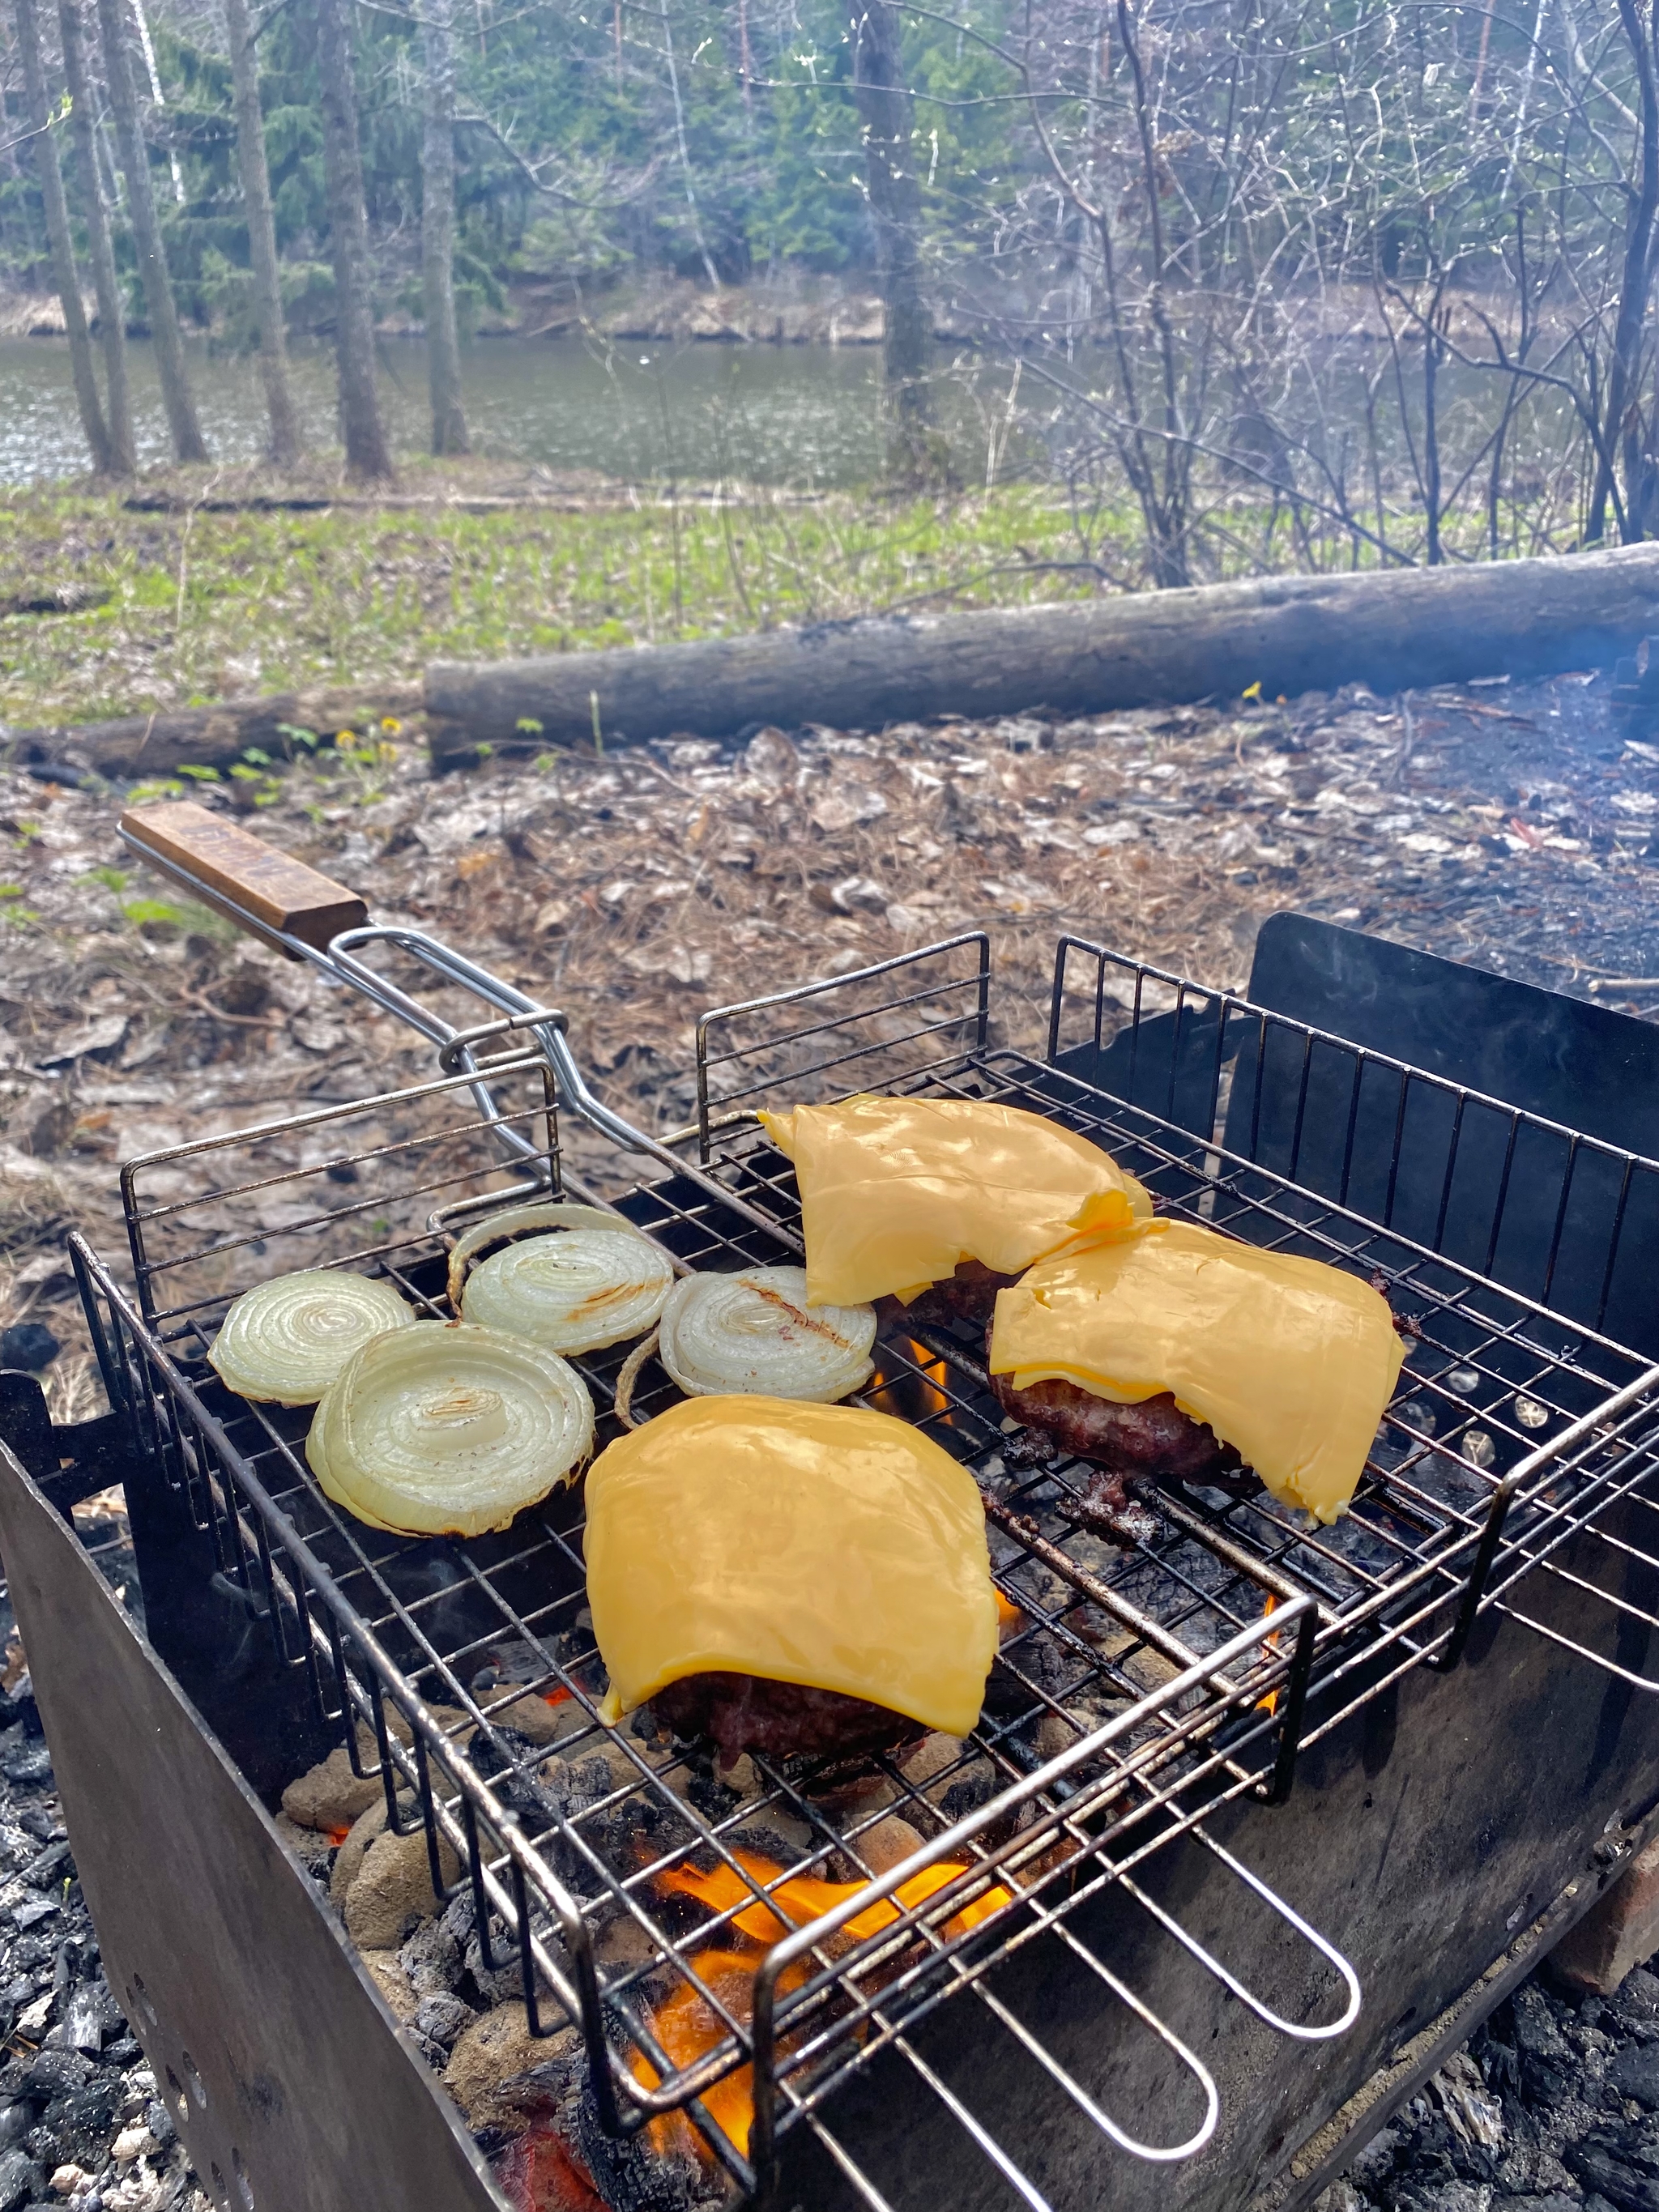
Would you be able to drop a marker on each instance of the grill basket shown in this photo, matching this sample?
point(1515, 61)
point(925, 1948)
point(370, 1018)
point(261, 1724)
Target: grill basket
point(1145, 1690)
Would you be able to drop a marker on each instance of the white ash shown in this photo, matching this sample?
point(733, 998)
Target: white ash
point(1552, 2107)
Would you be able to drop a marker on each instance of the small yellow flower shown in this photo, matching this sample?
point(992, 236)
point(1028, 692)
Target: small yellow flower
point(1255, 691)
point(342, 739)
point(392, 726)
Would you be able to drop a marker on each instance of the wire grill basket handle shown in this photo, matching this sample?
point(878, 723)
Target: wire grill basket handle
point(269, 894)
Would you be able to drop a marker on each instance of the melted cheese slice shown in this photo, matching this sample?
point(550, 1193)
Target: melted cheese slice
point(1291, 1361)
point(814, 1544)
point(895, 1191)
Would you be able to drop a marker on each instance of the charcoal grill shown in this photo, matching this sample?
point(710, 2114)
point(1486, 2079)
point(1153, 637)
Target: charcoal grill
point(1180, 1731)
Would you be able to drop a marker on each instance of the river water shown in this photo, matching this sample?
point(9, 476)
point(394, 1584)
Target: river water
point(794, 414)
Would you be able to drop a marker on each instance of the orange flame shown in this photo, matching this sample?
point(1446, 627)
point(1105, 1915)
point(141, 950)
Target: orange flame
point(804, 1897)
point(1269, 1703)
point(687, 2026)
point(913, 1385)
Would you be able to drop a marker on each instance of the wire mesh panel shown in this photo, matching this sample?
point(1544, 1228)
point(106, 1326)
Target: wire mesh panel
point(1558, 1216)
point(636, 1888)
point(873, 1029)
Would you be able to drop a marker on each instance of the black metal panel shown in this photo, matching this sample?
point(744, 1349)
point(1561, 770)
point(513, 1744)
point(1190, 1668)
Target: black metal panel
point(1460, 1186)
point(1562, 1059)
point(1171, 1064)
point(280, 2061)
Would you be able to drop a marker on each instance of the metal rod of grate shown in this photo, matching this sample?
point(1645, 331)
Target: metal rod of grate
point(1098, 1754)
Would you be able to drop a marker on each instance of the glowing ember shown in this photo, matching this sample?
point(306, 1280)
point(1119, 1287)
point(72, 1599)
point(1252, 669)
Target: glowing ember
point(539, 2174)
point(803, 1898)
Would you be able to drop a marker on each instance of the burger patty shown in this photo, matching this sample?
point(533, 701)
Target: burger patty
point(968, 1294)
point(1154, 1438)
point(784, 1720)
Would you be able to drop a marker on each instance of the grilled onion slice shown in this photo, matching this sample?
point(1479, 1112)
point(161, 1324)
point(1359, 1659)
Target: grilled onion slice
point(444, 1429)
point(286, 1339)
point(581, 1279)
point(755, 1334)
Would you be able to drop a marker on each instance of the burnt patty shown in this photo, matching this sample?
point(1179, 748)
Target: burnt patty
point(783, 1720)
point(1154, 1438)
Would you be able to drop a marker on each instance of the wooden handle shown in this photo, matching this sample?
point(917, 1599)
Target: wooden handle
point(262, 890)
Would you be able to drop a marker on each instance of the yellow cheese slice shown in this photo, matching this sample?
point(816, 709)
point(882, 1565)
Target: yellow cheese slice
point(1291, 1361)
point(815, 1544)
point(895, 1191)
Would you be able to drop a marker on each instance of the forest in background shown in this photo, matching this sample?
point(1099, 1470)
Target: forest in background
point(1278, 283)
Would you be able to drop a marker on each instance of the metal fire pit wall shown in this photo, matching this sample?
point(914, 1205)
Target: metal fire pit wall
point(286, 2073)
point(1436, 1806)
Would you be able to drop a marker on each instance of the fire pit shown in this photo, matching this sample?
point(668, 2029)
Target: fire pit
point(1104, 1938)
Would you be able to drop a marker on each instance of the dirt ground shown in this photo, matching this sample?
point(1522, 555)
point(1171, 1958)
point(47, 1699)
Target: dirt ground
point(1511, 827)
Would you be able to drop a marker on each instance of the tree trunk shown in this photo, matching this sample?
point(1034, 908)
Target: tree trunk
point(368, 454)
point(1618, 429)
point(188, 443)
point(1389, 629)
point(443, 351)
point(286, 444)
point(885, 113)
point(66, 276)
point(111, 305)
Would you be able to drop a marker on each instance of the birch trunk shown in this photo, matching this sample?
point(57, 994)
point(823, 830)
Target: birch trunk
point(286, 443)
point(111, 305)
point(188, 443)
point(65, 276)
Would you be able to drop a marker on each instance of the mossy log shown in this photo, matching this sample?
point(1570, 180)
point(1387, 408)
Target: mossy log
point(144, 745)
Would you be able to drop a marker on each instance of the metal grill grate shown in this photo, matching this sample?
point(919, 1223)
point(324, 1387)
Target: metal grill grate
point(1107, 1738)
point(1143, 1688)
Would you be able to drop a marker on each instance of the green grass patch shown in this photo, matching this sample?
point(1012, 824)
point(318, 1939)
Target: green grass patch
point(207, 604)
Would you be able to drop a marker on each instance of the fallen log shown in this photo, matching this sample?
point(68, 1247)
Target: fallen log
point(1392, 629)
point(159, 743)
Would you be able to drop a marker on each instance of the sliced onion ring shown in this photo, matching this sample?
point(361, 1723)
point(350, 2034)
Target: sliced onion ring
point(443, 1429)
point(285, 1340)
point(755, 1333)
point(514, 1221)
point(572, 1292)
